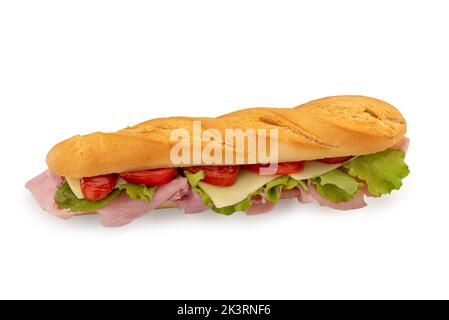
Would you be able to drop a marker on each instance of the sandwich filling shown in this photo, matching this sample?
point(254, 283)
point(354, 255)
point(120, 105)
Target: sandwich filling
point(120, 198)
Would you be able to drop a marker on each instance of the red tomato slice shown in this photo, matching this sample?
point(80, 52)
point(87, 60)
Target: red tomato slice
point(99, 187)
point(217, 175)
point(282, 167)
point(335, 160)
point(155, 177)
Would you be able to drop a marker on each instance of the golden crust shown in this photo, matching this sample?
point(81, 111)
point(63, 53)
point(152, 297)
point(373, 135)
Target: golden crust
point(328, 127)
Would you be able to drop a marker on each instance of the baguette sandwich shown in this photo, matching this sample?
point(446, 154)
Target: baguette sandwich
point(334, 151)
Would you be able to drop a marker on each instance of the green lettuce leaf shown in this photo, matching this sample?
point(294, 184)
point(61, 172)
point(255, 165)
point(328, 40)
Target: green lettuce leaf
point(273, 188)
point(383, 171)
point(303, 184)
point(336, 185)
point(139, 192)
point(195, 178)
point(241, 206)
point(340, 179)
point(66, 199)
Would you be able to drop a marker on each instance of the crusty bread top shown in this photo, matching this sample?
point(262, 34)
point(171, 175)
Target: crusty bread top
point(328, 127)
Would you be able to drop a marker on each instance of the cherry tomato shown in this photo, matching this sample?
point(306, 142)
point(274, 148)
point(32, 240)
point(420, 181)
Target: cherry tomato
point(99, 187)
point(155, 177)
point(335, 160)
point(282, 167)
point(217, 175)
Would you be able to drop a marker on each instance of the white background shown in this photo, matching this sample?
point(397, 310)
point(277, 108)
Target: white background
point(69, 67)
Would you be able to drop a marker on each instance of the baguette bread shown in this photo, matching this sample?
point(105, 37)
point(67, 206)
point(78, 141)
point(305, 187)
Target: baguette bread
point(329, 127)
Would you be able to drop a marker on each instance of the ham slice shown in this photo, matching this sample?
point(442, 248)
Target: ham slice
point(402, 145)
point(304, 196)
point(260, 205)
point(123, 210)
point(290, 194)
point(43, 189)
point(174, 190)
point(191, 202)
point(259, 208)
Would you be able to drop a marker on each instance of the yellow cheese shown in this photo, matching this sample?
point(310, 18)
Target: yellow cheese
point(247, 182)
point(313, 169)
point(75, 185)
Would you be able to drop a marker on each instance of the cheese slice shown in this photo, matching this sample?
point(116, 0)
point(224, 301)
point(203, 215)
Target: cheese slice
point(75, 185)
point(313, 169)
point(247, 182)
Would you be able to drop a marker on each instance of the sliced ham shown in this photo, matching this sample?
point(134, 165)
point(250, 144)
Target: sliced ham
point(357, 202)
point(43, 189)
point(259, 208)
point(260, 205)
point(290, 194)
point(191, 202)
point(304, 196)
point(123, 210)
point(174, 190)
point(402, 145)
point(259, 198)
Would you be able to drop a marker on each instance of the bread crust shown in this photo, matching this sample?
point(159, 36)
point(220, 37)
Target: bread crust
point(328, 127)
